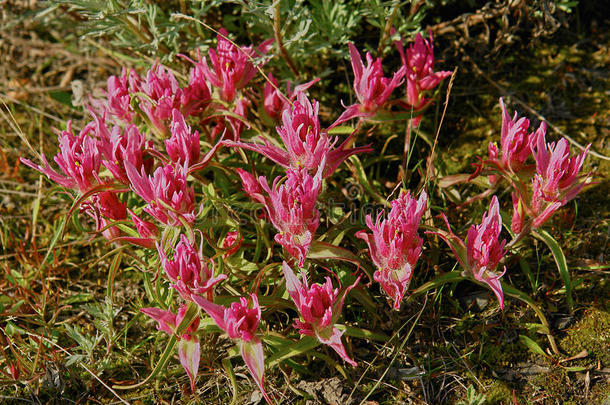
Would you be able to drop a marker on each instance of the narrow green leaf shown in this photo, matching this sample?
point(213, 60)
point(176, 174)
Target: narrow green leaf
point(363, 333)
point(323, 250)
point(560, 261)
point(533, 346)
point(290, 350)
point(55, 238)
point(575, 368)
point(112, 272)
point(231, 373)
point(451, 277)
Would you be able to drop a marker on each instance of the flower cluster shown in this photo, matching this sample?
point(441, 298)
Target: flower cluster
point(154, 164)
point(555, 181)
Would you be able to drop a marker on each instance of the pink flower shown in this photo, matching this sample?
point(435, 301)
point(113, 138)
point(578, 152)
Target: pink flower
point(419, 64)
point(106, 208)
point(290, 207)
point(79, 159)
point(558, 172)
point(372, 88)
point(483, 251)
point(240, 322)
point(232, 68)
point(275, 102)
point(167, 193)
point(320, 307)
point(515, 141)
point(117, 104)
point(557, 179)
point(196, 96)
point(188, 345)
point(187, 272)
point(307, 145)
point(120, 146)
point(394, 245)
point(164, 90)
point(149, 233)
point(183, 146)
point(232, 243)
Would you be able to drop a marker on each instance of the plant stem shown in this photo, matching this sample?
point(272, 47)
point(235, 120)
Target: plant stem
point(278, 38)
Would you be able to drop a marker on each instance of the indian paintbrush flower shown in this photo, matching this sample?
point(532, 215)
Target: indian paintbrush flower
point(275, 102)
point(306, 143)
point(290, 207)
point(557, 179)
point(420, 74)
point(515, 142)
point(240, 322)
point(187, 271)
point(481, 254)
point(166, 191)
point(232, 66)
point(372, 88)
point(79, 159)
point(188, 343)
point(183, 145)
point(320, 306)
point(394, 244)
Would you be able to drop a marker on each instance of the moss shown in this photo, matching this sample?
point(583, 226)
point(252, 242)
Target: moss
point(498, 393)
point(554, 384)
point(591, 333)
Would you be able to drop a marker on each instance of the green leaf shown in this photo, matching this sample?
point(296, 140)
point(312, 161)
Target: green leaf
point(288, 350)
point(575, 368)
point(231, 373)
point(560, 261)
point(323, 250)
point(533, 346)
point(451, 277)
point(363, 333)
point(62, 96)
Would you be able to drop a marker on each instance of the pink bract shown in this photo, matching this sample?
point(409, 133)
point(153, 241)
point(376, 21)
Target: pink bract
point(240, 322)
point(481, 254)
point(187, 271)
point(484, 250)
point(320, 306)
point(79, 159)
point(275, 102)
point(420, 74)
point(232, 66)
point(372, 88)
point(183, 146)
point(306, 144)
point(188, 344)
point(290, 207)
point(167, 193)
point(515, 141)
point(394, 244)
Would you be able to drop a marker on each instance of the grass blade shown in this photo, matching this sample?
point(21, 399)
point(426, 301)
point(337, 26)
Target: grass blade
point(560, 261)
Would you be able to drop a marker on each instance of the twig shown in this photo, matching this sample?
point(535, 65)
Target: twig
point(440, 124)
point(277, 32)
point(15, 127)
point(388, 28)
point(523, 104)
